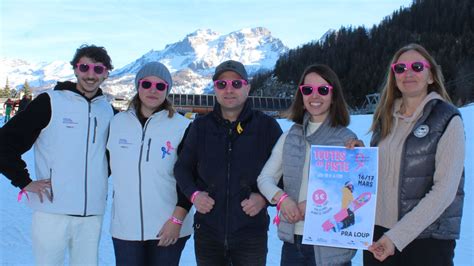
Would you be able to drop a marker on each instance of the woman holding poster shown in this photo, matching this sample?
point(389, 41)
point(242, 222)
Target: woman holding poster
point(321, 117)
point(421, 143)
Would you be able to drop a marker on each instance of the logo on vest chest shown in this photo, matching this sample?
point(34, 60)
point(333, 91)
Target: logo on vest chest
point(124, 143)
point(166, 151)
point(69, 122)
point(421, 131)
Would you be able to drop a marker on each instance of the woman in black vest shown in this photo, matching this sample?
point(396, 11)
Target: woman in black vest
point(421, 143)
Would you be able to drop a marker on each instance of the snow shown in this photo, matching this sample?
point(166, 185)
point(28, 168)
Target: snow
point(15, 218)
point(37, 74)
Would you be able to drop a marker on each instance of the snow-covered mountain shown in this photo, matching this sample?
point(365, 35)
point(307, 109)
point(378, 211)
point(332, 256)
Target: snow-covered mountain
point(191, 62)
point(39, 75)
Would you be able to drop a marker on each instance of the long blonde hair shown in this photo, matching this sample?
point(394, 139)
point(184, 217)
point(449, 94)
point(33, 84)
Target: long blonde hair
point(383, 113)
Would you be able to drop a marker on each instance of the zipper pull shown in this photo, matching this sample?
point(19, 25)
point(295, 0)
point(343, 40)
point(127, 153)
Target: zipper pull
point(148, 150)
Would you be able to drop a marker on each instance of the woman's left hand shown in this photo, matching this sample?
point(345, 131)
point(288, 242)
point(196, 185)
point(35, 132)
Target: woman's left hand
point(352, 143)
point(168, 234)
point(302, 208)
point(383, 248)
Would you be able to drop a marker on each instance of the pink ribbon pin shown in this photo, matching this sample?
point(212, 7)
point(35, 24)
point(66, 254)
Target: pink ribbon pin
point(168, 146)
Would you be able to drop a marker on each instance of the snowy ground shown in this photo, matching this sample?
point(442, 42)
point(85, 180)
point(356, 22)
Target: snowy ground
point(15, 218)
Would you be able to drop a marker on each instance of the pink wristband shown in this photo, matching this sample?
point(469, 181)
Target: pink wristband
point(276, 220)
point(193, 196)
point(176, 220)
point(20, 195)
point(282, 198)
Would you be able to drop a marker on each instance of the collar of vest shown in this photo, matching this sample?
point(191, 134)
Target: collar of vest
point(71, 86)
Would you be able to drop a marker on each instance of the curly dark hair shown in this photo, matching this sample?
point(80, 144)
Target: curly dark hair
point(97, 53)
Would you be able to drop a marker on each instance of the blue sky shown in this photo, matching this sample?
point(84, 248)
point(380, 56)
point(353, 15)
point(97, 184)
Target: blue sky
point(47, 30)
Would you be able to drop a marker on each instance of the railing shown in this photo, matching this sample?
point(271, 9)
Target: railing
point(208, 100)
point(203, 103)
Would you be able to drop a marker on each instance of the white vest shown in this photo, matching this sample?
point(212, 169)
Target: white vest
point(71, 151)
point(142, 161)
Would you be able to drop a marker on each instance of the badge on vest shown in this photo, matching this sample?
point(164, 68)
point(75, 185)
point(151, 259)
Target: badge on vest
point(421, 131)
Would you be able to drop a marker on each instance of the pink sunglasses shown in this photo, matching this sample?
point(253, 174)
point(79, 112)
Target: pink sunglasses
point(417, 66)
point(98, 69)
point(145, 84)
point(322, 90)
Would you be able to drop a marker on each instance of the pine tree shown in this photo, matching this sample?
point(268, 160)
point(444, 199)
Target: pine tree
point(360, 56)
point(26, 88)
point(5, 92)
point(7, 86)
point(13, 93)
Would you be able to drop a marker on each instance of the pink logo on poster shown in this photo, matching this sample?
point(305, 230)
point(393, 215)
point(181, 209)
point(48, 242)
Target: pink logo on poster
point(319, 196)
point(360, 159)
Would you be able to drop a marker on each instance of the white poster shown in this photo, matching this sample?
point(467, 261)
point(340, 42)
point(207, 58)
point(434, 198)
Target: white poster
point(342, 193)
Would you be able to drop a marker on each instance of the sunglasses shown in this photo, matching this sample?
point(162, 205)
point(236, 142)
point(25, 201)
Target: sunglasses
point(322, 90)
point(161, 86)
point(236, 83)
point(417, 66)
point(98, 69)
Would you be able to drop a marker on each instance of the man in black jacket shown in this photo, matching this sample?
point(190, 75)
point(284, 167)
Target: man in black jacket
point(217, 170)
point(24, 102)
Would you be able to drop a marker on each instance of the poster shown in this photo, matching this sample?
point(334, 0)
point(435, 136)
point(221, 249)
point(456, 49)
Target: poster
point(341, 200)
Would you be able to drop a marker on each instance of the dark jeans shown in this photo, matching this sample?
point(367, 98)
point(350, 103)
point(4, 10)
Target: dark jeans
point(299, 254)
point(250, 251)
point(420, 252)
point(147, 252)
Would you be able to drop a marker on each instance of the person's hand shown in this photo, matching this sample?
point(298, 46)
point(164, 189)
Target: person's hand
point(40, 187)
point(203, 202)
point(290, 210)
point(168, 234)
point(302, 208)
point(352, 143)
point(253, 205)
point(383, 248)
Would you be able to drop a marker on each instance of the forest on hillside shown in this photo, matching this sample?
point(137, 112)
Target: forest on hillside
point(360, 56)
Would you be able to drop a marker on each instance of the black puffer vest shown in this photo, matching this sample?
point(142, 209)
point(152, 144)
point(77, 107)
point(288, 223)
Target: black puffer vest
point(418, 167)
